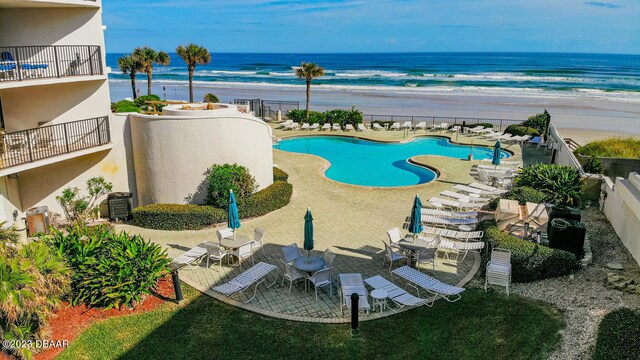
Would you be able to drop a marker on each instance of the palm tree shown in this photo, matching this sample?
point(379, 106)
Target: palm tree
point(130, 65)
point(147, 57)
point(193, 54)
point(211, 98)
point(309, 71)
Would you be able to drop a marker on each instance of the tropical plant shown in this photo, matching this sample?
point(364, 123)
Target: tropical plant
point(307, 72)
point(211, 98)
point(593, 165)
point(124, 106)
point(193, 54)
point(523, 194)
point(562, 184)
point(223, 178)
point(130, 65)
point(110, 270)
point(147, 57)
point(80, 209)
point(539, 122)
point(520, 130)
point(33, 280)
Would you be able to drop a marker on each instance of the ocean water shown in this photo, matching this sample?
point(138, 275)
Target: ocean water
point(370, 163)
point(545, 74)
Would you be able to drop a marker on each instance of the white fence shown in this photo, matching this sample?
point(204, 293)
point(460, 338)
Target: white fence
point(621, 204)
point(563, 154)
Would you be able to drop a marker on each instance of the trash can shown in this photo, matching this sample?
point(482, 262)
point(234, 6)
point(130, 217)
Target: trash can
point(562, 212)
point(567, 235)
point(120, 206)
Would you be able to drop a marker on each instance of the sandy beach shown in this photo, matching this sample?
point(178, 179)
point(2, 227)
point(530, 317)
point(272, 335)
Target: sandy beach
point(580, 118)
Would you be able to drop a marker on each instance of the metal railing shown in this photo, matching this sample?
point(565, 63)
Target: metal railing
point(25, 146)
point(562, 153)
point(18, 63)
point(498, 124)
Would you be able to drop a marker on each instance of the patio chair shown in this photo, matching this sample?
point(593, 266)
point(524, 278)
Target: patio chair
point(406, 125)
point(376, 127)
point(498, 269)
point(244, 252)
point(258, 238)
point(314, 126)
point(192, 255)
point(326, 126)
point(285, 124)
point(464, 198)
point(328, 256)
point(353, 284)
point(397, 294)
point(460, 247)
point(448, 221)
point(335, 127)
point(214, 252)
point(292, 274)
point(224, 233)
point(291, 252)
point(391, 256)
point(437, 288)
point(395, 236)
point(450, 214)
point(395, 126)
point(321, 278)
point(305, 126)
point(361, 127)
point(454, 129)
point(427, 256)
point(349, 127)
point(422, 125)
point(257, 274)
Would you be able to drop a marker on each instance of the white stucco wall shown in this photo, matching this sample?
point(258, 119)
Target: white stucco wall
point(622, 208)
point(173, 153)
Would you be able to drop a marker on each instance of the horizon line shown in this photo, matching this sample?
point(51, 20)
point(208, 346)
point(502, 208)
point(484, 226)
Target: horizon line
point(410, 52)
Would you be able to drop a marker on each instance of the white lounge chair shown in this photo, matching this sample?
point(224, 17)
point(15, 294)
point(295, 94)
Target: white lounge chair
point(460, 247)
point(392, 256)
point(454, 204)
point(504, 137)
point(255, 275)
point(192, 255)
point(361, 127)
point(326, 126)
point(285, 124)
point(314, 126)
point(406, 125)
point(454, 234)
point(487, 188)
point(441, 126)
point(477, 130)
point(350, 284)
point(349, 127)
point(475, 190)
point(464, 198)
point(498, 269)
point(422, 125)
point(437, 288)
point(376, 127)
point(395, 126)
point(321, 278)
point(454, 129)
point(448, 221)
point(397, 294)
point(305, 126)
point(491, 135)
point(449, 214)
point(335, 127)
point(293, 126)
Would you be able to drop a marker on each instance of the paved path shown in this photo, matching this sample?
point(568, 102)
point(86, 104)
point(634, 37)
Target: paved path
point(350, 220)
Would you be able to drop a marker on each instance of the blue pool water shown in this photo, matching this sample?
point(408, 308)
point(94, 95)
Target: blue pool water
point(369, 163)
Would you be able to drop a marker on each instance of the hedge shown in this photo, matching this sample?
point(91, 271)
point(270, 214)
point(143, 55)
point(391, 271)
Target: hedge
point(619, 336)
point(177, 216)
point(271, 198)
point(526, 193)
point(279, 175)
point(529, 261)
point(520, 130)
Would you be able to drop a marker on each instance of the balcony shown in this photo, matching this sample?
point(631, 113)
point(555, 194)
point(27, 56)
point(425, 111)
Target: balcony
point(33, 145)
point(22, 63)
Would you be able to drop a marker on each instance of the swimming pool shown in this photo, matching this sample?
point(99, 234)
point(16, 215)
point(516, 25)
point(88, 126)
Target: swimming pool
point(369, 163)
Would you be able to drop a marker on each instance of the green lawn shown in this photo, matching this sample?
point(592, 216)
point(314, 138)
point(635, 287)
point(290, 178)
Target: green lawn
point(480, 326)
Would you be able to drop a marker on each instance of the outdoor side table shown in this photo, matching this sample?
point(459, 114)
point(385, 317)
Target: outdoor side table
point(310, 264)
point(379, 297)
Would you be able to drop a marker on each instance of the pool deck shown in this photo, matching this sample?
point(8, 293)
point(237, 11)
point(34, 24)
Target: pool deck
point(350, 220)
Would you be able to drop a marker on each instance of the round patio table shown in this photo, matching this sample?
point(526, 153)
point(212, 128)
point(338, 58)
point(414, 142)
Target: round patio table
point(231, 243)
point(310, 264)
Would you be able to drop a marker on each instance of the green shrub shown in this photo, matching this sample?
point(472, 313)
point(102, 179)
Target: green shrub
point(619, 336)
point(539, 122)
point(177, 216)
point(337, 116)
point(519, 130)
point(562, 184)
point(521, 193)
point(110, 270)
point(280, 175)
point(529, 261)
point(300, 116)
point(210, 98)
point(140, 101)
point(80, 209)
point(124, 106)
point(593, 165)
point(223, 178)
point(271, 198)
point(628, 148)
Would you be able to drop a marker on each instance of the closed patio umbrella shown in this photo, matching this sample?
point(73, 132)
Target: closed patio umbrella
point(308, 231)
point(233, 221)
point(496, 154)
point(415, 222)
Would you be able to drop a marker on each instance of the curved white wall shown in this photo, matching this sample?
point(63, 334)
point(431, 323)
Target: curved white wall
point(172, 153)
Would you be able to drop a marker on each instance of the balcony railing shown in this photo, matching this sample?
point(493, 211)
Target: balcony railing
point(19, 63)
point(25, 146)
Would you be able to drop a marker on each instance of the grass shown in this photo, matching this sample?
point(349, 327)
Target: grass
point(619, 336)
point(628, 148)
point(480, 326)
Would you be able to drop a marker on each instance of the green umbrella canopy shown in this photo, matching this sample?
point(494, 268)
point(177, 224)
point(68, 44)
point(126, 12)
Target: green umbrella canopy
point(496, 154)
point(308, 230)
point(415, 223)
point(233, 221)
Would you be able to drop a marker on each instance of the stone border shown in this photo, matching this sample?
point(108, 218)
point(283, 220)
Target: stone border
point(338, 320)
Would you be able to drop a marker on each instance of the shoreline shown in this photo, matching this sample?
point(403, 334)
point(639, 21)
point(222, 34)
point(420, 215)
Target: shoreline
point(580, 118)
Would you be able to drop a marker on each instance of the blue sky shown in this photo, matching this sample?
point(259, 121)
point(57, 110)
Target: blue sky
point(323, 26)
